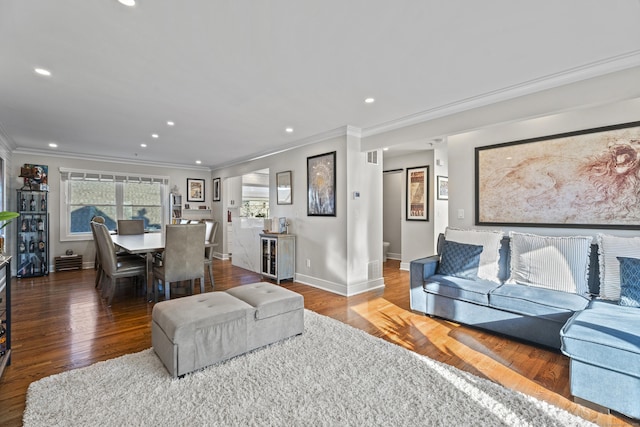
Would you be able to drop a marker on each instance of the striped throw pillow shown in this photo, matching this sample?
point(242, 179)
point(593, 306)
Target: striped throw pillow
point(558, 263)
point(609, 248)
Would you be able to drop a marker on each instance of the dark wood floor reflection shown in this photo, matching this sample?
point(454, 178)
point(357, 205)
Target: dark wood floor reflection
point(61, 323)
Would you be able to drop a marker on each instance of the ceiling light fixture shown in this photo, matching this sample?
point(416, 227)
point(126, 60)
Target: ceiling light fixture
point(128, 2)
point(198, 162)
point(154, 135)
point(53, 145)
point(369, 100)
point(170, 123)
point(42, 71)
point(289, 130)
point(385, 149)
point(143, 145)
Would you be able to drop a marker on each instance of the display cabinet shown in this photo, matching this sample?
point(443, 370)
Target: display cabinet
point(278, 260)
point(33, 234)
point(5, 314)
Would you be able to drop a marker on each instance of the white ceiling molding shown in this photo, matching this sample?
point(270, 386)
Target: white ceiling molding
point(599, 68)
point(66, 155)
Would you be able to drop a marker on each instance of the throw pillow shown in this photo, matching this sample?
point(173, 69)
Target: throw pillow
point(489, 240)
point(459, 260)
point(558, 263)
point(629, 282)
point(609, 248)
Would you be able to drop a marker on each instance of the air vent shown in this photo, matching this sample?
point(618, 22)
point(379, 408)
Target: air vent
point(372, 157)
point(373, 270)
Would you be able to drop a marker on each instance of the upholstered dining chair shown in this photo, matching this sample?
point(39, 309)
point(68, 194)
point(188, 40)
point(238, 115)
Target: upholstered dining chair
point(211, 228)
point(130, 226)
point(114, 269)
point(181, 258)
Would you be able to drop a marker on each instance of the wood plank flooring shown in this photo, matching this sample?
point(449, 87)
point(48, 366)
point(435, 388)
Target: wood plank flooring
point(61, 323)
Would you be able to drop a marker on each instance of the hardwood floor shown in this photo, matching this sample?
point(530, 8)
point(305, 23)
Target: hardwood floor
point(61, 323)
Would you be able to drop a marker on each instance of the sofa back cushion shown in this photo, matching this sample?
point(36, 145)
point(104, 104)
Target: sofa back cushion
point(558, 263)
point(609, 248)
point(490, 242)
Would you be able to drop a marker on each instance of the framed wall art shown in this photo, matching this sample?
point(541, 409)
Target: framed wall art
point(418, 193)
point(442, 186)
point(216, 189)
point(284, 188)
point(195, 190)
point(321, 185)
point(586, 179)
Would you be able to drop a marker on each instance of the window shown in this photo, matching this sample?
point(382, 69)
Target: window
point(113, 196)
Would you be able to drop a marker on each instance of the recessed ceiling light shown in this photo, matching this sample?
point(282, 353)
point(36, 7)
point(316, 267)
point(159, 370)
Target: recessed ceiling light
point(369, 100)
point(53, 145)
point(42, 71)
point(128, 2)
point(385, 149)
point(289, 130)
point(143, 145)
point(198, 162)
point(154, 135)
point(170, 123)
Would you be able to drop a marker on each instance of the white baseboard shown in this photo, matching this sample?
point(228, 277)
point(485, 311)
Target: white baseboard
point(405, 266)
point(338, 288)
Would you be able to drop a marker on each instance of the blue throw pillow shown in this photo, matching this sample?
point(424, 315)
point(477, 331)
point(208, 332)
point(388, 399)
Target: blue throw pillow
point(459, 260)
point(629, 281)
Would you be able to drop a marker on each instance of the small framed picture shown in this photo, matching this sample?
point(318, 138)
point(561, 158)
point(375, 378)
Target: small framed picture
point(195, 190)
point(216, 189)
point(284, 188)
point(443, 187)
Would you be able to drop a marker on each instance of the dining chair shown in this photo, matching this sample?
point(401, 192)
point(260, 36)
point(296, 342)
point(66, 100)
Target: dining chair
point(130, 226)
point(181, 258)
point(211, 228)
point(114, 269)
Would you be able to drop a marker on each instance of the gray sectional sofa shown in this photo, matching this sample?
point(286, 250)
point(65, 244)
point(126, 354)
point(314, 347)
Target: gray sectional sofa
point(601, 338)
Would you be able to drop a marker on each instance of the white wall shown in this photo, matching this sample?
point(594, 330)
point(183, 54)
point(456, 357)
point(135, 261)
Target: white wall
point(417, 236)
point(339, 249)
point(461, 156)
point(86, 247)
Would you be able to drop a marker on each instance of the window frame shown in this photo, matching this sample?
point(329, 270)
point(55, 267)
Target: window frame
point(68, 175)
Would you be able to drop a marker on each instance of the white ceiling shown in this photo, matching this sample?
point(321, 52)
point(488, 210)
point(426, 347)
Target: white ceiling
point(234, 74)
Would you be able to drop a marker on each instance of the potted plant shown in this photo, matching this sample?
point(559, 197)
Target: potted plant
point(5, 218)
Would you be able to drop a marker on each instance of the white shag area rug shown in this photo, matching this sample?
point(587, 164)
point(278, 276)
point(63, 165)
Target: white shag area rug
point(332, 375)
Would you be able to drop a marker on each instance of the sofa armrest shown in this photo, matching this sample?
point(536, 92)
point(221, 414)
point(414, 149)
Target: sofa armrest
point(419, 270)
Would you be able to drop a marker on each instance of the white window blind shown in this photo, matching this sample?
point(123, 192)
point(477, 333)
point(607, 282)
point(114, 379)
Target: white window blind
point(112, 195)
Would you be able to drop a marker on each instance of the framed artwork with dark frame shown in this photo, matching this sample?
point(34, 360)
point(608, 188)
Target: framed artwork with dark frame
point(195, 190)
point(321, 185)
point(586, 179)
point(216, 189)
point(442, 185)
point(418, 194)
point(284, 188)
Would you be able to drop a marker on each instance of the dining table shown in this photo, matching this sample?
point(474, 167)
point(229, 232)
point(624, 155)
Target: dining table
point(147, 244)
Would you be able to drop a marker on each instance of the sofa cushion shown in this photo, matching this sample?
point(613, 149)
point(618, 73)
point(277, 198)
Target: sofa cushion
point(629, 281)
point(605, 335)
point(459, 260)
point(489, 240)
point(476, 291)
point(609, 248)
point(557, 263)
point(535, 301)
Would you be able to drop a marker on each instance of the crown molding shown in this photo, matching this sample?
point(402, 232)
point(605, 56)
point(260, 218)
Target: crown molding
point(572, 75)
point(69, 155)
point(314, 139)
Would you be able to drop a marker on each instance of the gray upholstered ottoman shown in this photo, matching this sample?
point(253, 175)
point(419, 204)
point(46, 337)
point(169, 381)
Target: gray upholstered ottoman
point(192, 332)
